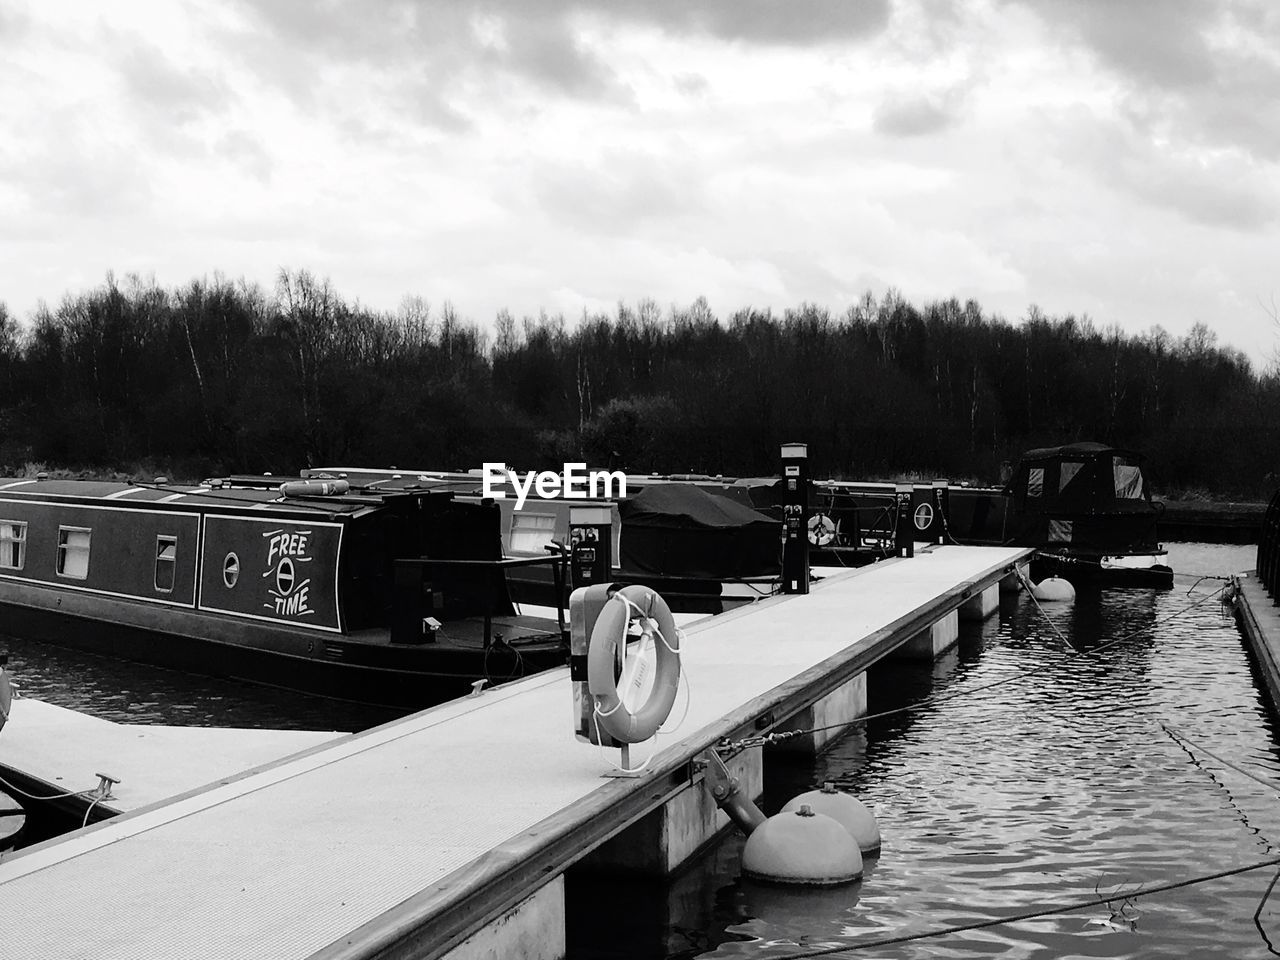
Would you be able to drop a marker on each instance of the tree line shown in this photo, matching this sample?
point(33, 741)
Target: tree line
point(221, 376)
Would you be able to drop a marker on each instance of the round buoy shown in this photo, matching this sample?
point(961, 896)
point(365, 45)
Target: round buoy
point(1054, 588)
point(848, 811)
point(801, 847)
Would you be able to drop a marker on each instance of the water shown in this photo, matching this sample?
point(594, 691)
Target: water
point(991, 803)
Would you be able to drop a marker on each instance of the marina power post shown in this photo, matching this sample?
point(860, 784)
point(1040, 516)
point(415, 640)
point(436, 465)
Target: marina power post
point(590, 546)
point(795, 511)
point(904, 534)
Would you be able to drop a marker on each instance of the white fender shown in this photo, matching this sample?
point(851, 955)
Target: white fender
point(1054, 588)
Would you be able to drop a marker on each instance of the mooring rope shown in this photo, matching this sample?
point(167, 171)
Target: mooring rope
point(11, 788)
point(1046, 911)
point(1187, 747)
point(778, 737)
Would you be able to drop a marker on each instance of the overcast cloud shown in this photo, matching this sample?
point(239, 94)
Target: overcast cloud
point(1111, 159)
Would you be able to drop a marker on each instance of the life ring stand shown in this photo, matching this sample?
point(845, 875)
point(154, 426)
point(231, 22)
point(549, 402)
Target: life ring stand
point(608, 637)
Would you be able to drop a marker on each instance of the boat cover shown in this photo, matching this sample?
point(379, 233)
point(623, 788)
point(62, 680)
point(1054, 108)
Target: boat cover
point(1084, 495)
point(680, 530)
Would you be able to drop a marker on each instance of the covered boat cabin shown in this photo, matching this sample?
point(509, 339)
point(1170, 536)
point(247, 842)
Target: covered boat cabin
point(1087, 496)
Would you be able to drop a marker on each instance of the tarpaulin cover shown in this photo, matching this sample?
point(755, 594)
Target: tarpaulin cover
point(680, 530)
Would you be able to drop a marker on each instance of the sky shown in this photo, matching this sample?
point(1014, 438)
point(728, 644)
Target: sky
point(1115, 160)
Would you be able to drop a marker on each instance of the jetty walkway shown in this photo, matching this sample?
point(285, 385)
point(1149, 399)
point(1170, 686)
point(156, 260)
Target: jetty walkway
point(448, 832)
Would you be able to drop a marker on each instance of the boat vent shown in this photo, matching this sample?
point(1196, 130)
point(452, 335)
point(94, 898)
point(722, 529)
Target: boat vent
point(337, 652)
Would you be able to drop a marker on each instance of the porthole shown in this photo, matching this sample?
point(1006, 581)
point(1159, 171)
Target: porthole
point(230, 570)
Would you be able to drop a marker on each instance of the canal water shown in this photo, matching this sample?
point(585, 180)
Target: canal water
point(999, 790)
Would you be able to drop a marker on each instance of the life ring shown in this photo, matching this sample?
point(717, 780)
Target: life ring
point(923, 516)
point(822, 530)
point(6, 697)
point(608, 638)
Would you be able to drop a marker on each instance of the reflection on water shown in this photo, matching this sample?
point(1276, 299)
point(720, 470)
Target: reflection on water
point(134, 693)
point(1027, 794)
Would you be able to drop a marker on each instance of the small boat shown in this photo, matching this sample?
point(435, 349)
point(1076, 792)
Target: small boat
point(1088, 509)
point(396, 598)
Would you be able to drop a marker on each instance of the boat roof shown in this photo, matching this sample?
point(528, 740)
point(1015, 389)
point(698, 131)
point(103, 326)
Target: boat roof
point(1083, 449)
point(227, 494)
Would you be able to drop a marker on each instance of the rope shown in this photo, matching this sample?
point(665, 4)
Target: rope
point(10, 788)
point(778, 737)
point(85, 822)
point(1185, 746)
point(1031, 591)
point(1182, 738)
point(1046, 911)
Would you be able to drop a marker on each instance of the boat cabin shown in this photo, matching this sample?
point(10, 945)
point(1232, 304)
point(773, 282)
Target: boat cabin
point(1087, 496)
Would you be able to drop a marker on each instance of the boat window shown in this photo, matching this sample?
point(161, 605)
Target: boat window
point(13, 544)
point(73, 552)
point(230, 570)
point(1067, 471)
point(531, 532)
point(1128, 480)
point(1035, 482)
point(166, 561)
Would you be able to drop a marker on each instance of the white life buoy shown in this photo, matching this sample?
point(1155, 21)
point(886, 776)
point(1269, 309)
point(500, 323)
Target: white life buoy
point(822, 530)
point(923, 516)
point(608, 638)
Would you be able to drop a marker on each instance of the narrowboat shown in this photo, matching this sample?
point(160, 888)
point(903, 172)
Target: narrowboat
point(392, 597)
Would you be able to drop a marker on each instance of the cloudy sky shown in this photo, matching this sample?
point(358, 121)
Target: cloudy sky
point(1112, 159)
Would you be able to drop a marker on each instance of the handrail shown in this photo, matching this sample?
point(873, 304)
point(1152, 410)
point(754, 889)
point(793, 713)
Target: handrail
point(558, 559)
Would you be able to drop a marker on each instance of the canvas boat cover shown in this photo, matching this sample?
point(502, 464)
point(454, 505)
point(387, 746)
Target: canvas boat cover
point(1086, 496)
point(680, 530)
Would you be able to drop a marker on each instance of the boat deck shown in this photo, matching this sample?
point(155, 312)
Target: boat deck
point(326, 849)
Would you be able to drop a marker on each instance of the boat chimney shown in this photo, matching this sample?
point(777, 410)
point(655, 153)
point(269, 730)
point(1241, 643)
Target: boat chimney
point(314, 488)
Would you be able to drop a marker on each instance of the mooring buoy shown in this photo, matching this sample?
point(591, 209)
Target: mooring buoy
point(1054, 588)
point(847, 810)
point(802, 847)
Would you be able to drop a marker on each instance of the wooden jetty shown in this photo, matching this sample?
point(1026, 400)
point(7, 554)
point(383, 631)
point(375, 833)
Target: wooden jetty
point(448, 833)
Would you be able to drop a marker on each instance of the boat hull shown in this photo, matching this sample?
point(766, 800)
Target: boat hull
point(1095, 572)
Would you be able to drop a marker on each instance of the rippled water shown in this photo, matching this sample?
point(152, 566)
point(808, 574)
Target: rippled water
point(991, 802)
point(1030, 794)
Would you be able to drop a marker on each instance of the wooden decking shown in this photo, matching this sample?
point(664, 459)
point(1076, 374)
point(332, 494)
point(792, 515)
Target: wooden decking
point(429, 825)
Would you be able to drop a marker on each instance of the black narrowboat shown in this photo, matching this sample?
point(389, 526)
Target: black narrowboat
point(396, 598)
